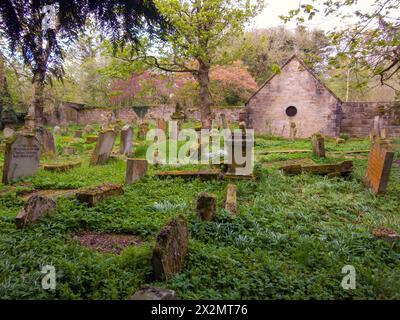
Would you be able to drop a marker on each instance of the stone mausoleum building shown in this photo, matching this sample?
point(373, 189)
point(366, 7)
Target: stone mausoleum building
point(295, 103)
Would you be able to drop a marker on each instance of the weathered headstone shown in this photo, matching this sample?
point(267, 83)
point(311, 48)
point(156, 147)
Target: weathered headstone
point(22, 156)
point(230, 200)
point(69, 150)
point(126, 140)
point(206, 206)
point(379, 165)
point(143, 129)
point(162, 124)
point(91, 139)
point(104, 146)
point(89, 129)
point(8, 132)
point(36, 208)
point(135, 170)
point(93, 195)
point(171, 249)
point(153, 293)
point(224, 124)
point(318, 144)
point(78, 134)
point(46, 139)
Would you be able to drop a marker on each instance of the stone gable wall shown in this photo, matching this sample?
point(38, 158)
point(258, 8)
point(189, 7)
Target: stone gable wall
point(317, 109)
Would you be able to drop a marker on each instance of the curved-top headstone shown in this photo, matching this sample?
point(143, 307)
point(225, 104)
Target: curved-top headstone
point(22, 156)
point(104, 146)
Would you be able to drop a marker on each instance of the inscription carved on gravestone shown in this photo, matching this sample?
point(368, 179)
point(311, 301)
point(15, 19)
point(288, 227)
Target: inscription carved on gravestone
point(379, 165)
point(21, 158)
point(104, 146)
point(171, 249)
point(126, 140)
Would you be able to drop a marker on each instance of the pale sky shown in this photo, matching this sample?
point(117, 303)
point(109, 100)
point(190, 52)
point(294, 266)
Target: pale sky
point(274, 8)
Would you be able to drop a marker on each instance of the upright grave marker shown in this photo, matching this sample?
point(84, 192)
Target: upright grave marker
point(318, 144)
point(223, 121)
point(135, 170)
point(46, 139)
point(379, 165)
point(126, 140)
point(104, 146)
point(171, 249)
point(206, 206)
point(21, 158)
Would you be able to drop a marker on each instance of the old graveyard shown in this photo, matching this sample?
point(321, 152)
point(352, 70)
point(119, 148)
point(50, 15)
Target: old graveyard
point(180, 232)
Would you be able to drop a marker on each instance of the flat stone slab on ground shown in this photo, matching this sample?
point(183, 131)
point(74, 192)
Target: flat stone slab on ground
point(171, 248)
point(203, 174)
point(92, 196)
point(265, 152)
point(153, 293)
point(50, 193)
point(36, 208)
point(301, 162)
point(62, 166)
point(341, 169)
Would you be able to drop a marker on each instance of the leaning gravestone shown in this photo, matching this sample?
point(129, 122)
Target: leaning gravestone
point(171, 249)
point(135, 170)
point(21, 158)
point(379, 165)
point(104, 146)
point(36, 208)
point(318, 144)
point(126, 140)
point(46, 139)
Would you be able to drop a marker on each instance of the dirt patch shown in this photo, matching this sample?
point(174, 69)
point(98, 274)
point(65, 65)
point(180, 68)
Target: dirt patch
point(107, 243)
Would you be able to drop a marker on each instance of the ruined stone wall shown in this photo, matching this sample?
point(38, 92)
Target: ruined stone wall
point(318, 110)
point(69, 113)
point(357, 118)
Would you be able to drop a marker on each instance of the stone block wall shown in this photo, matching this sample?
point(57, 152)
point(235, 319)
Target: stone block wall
point(357, 118)
point(318, 110)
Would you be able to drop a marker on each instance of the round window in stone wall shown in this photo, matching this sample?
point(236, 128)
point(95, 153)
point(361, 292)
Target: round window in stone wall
point(291, 111)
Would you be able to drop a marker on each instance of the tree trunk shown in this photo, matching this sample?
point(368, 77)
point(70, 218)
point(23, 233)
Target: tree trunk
point(38, 96)
point(205, 97)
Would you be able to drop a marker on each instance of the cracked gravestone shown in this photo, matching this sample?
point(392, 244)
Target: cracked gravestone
point(22, 156)
point(171, 249)
point(104, 146)
point(36, 208)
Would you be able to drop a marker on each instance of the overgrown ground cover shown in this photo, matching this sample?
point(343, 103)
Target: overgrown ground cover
point(290, 241)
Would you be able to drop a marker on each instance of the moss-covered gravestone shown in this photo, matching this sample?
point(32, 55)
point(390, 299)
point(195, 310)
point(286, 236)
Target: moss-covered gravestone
point(318, 144)
point(36, 208)
point(126, 142)
point(135, 170)
point(46, 139)
point(206, 206)
point(22, 156)
point(104, 146)
point(171, 249)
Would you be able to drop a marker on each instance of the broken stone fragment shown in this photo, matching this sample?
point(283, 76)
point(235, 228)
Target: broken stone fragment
point(171, 249)
point(36, 208)
point(153, 293)
point(206, 206)
point(386, 234)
